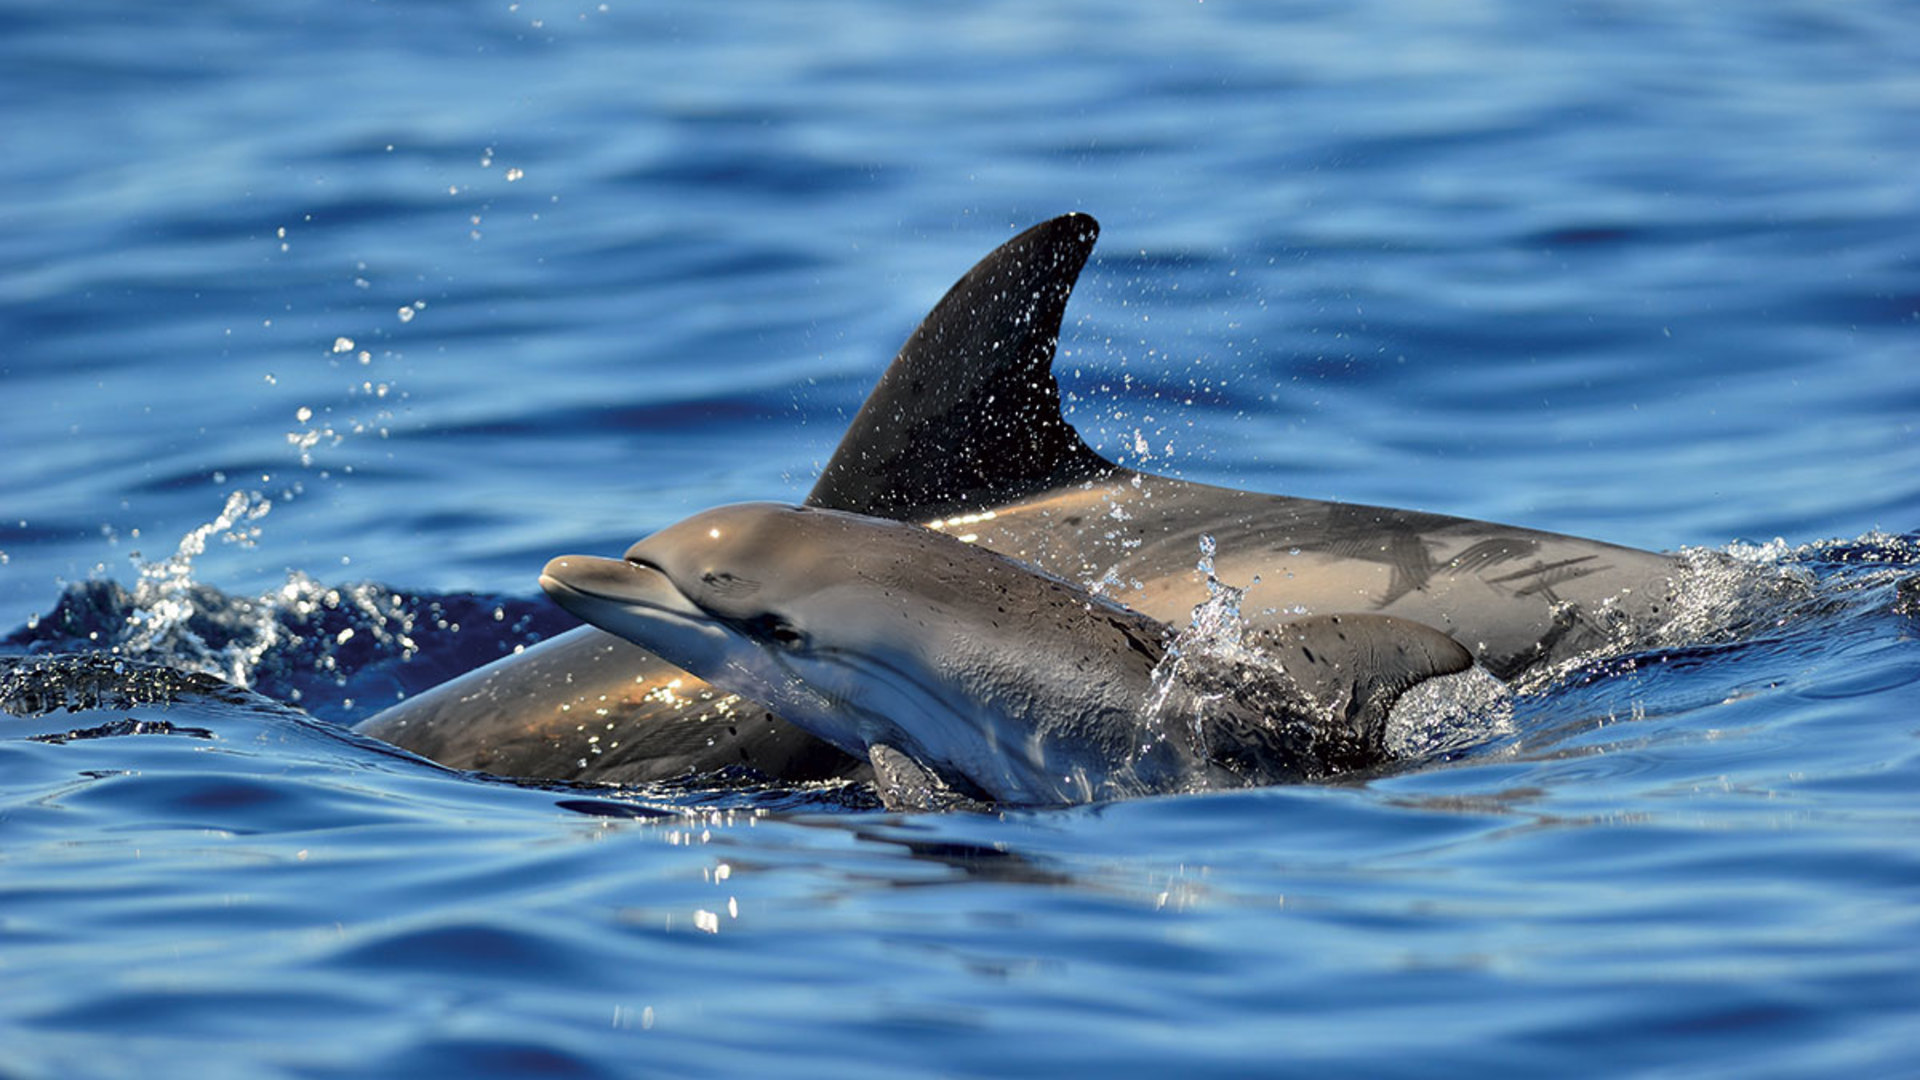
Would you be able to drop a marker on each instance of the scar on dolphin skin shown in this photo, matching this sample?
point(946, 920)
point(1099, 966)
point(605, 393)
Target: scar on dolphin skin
point(1547, 575)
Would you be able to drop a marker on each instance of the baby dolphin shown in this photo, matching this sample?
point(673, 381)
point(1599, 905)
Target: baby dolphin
point(959, 672)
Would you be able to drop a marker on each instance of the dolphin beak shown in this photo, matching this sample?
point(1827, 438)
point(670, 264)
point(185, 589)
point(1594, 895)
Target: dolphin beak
point(594, 588)
point(640, 603)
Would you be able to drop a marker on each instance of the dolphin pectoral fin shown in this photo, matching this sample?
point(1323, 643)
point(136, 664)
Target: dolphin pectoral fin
point(969, 412)
point(905, 785)
point(1357, 666)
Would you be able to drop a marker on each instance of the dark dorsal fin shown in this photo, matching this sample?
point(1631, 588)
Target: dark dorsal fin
point(968, 415)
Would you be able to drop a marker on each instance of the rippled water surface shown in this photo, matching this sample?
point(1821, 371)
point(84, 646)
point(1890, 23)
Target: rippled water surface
point(327, 324)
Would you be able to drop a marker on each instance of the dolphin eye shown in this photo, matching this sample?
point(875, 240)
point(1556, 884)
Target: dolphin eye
point(777, 630)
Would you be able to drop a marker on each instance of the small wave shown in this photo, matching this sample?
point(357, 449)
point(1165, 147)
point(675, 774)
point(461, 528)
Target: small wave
point(1746, 591)
point(335, 650)
point(1821, 621)
point(36, 686)
point(1451, 715)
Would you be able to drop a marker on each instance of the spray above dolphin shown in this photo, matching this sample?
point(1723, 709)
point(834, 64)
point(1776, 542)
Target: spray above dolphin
point(964, 434)
point(960, 672)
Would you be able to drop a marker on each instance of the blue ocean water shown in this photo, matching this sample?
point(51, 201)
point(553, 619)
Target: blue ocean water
point(327, 323)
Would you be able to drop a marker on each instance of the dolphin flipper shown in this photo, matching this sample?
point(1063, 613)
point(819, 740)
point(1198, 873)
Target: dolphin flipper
point(905, 785)
point(1357, 666)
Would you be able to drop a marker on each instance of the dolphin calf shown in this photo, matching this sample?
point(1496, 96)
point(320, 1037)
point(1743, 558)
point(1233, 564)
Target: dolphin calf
point(964, 435)
point(590, 706)
point(961, 672)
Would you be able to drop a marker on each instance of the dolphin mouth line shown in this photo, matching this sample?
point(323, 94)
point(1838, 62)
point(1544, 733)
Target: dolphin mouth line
point(640, 563)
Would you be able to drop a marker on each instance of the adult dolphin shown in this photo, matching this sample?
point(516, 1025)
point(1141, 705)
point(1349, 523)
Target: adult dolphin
point(962, 673)
point(964, 432)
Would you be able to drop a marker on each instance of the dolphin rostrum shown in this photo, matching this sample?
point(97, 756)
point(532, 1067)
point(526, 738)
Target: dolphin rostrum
point(960, 670)
point(964, 434)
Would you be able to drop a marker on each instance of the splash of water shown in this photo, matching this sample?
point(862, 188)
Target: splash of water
point(1448, 715)
point(1744, 591)
point(1214, 639)
point(169, 617)
point(164, 605)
